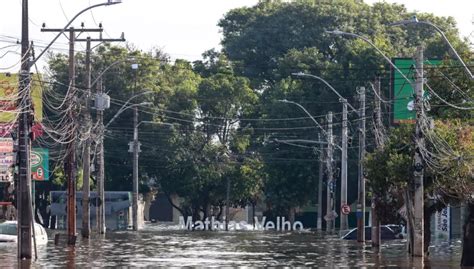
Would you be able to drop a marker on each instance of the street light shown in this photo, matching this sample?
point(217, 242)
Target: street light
point(341, 98)
point(414, 20)
point(135, 149)
point(125, 107)
point(330, 143)
point(345, 104)
point(25, 222)
point(307, 112)
point(107, 68)
point(341, 33)
point(101, 163)
point(154, 122)
point(108, 3)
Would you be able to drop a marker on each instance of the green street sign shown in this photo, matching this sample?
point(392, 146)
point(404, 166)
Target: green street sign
point(40, 164)
point(402, 90)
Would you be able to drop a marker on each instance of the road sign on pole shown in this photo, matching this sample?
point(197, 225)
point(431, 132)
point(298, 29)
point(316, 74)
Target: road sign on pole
point(345, 209)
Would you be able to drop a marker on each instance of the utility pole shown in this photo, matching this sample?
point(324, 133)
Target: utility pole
point(23, 192)
point(344, 222)
point(71, 161)
point(418, 249)
point(86, 157)
point(227, 195)
point(135, 169)
point(71, 151)
point(379, 141)
point(319, 222)
point(330, 180)
point(100, 169)
point(87, 149)
point(361, 193)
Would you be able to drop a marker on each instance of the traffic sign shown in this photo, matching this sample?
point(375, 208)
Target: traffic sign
point(345, 209)
point(359, 211)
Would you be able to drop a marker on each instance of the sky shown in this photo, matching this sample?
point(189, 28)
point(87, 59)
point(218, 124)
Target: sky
point(181, 28)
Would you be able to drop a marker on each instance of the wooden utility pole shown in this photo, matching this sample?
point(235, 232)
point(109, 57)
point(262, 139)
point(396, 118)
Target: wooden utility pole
point(71, 150)
point(71, 161)
point(330, 219)
point(361, 194)
point(319, 222)
point(418, 162)
point(343, 218)
point(379, 141)
point(24, 246)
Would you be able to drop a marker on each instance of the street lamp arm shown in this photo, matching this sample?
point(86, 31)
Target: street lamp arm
point(154, 122)
point(107, 69)
point(108, 3)
point(414, 20)
point(337, 32)
point(103, 72)
point(468, 71)
point(122, 109)
point(309, 114)
point(301, 141)
point(341, 98)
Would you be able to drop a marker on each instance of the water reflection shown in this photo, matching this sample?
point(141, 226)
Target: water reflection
point(159, 245)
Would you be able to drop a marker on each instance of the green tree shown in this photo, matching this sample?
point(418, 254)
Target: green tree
point(448, 170)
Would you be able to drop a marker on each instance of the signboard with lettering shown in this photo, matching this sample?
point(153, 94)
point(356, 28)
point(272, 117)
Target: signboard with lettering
point(442, 225)
point(402, 90)
point(40, 164)
point(6, 159)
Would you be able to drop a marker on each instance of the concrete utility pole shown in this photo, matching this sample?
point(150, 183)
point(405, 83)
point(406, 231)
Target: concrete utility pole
point(227, 201)
point(330, 180)
point(343, 219)
point(24, 246)
point(87, 149)
point(86, 157)
point(319, 223)
point(135, 169)
point(379, 141)
point(418, 163)
point(361, 196)
point(100, 169)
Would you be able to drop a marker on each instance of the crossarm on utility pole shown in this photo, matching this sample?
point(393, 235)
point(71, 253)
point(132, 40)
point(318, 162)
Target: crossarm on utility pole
point(61, 31)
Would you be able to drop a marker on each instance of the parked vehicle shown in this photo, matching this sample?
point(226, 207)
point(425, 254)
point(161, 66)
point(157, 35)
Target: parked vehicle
point(8, 233)
point(386, 233)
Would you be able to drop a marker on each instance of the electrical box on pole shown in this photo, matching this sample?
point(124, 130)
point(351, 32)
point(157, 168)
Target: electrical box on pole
point(102, 101)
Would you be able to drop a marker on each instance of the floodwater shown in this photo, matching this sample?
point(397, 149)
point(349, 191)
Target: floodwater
point(164, 245)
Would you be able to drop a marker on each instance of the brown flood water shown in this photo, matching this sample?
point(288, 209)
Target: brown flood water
point(163, 245)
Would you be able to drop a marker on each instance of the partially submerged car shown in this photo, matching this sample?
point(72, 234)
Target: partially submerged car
point(387, 232)
point(8, 233)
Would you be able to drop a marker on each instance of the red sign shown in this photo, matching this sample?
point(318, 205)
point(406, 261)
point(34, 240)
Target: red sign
point(7, 128)
point(345, 209)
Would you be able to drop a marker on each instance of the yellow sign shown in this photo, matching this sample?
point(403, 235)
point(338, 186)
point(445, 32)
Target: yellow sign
point(9, 97)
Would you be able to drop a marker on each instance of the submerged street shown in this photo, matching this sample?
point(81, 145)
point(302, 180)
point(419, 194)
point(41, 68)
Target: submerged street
point(164, 245)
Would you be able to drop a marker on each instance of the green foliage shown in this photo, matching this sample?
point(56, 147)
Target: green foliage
point(226, 112)
point(447, 178)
